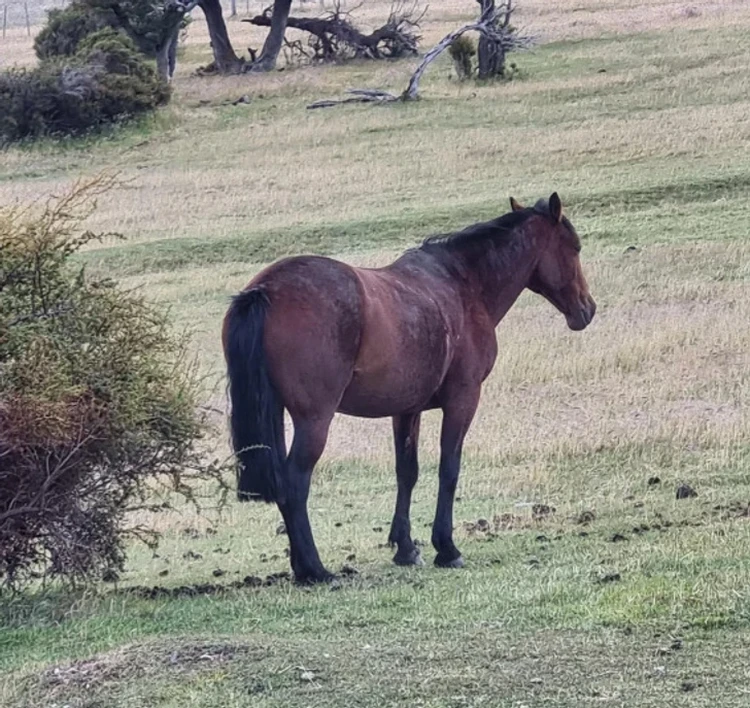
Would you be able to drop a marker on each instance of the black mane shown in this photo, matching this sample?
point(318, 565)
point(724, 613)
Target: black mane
point(498, 230)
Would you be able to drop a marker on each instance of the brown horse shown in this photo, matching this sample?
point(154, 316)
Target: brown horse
point(315, 336)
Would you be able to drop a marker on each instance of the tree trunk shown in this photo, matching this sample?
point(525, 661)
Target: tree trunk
point(166, 56)
point(275, 39)
point(225, 60)
point(172, 57)
point(490, 59)
point(490, 53)
point(162, 62)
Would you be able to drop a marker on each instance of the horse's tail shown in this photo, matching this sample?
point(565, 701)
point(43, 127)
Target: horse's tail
point(257, 418)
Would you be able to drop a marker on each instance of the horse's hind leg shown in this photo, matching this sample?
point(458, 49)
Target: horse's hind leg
point(406, 438)
point(309, 440)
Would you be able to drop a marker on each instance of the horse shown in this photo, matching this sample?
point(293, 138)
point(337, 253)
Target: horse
point(314, 336)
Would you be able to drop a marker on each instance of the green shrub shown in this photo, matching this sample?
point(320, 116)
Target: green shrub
point(66, 28)
point(106, 80)
point(146, 22)
point(98, 401)
point(128, 84)
point(463, 50)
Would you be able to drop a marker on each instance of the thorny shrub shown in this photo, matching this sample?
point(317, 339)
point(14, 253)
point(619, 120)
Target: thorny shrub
point(99, 410)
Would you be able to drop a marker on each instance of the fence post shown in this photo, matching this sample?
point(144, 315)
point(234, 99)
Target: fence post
point(28, 24)
point(5, 18)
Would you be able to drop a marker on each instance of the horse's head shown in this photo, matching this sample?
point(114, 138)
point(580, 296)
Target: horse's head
point(558, 275)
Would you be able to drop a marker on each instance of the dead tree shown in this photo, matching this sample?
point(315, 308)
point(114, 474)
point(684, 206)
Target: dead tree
point(486, 26)
point(334, 37)
point(169, 31)
point(493, 47)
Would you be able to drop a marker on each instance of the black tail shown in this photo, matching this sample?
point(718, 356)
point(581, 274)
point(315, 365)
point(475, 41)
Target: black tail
point(257, 419)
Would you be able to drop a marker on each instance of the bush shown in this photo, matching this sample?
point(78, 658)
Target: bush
point(98, 402)
point(462, 51)
point(146, 22)
point(104, 81)
point(65, 29)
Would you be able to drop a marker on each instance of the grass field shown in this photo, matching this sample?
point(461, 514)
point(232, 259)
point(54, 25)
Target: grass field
point(638, 113)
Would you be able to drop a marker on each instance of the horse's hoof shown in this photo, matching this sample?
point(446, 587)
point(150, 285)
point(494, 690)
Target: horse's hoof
point(413, 558)
point(454, 563)
point(314, 578)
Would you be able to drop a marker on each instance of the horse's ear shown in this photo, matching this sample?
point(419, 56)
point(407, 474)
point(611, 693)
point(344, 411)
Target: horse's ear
point(514, 205)
point(555, 208)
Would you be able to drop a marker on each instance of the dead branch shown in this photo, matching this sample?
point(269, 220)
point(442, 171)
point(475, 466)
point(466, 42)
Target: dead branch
point(357, 96)
point(412, 90)
point(487, 26)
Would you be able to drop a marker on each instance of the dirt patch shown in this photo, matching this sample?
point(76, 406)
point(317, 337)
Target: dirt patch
point(140, 660)
point(542, 511)
point(511, 522)
point(499, 523)
point(249, 581)
point(608, 578)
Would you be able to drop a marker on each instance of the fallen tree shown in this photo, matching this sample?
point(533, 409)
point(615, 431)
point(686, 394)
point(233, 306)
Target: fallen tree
point(489, 26)
point(335, 38)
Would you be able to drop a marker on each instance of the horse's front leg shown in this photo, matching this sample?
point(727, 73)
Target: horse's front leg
point(457, 416)
point(406, 439)
point(309, 440)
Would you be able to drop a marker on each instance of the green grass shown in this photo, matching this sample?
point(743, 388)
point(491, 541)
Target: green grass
point(650, 153)
point(532, 616)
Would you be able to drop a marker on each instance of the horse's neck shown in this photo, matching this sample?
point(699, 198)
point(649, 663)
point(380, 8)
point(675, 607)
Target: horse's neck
point(500, 274)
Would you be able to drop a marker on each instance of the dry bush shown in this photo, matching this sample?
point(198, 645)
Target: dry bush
point(98, 402)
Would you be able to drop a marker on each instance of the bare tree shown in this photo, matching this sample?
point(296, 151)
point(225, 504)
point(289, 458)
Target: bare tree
point(166, 47)
point(494, 46)
point(335, 35)
point(226, 60)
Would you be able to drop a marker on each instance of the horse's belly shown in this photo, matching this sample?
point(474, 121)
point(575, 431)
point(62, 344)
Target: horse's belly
point(387, 394)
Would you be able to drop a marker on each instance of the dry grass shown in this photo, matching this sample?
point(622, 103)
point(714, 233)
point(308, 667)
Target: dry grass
point(218, 172)
point(642, 372)
point(638, 114)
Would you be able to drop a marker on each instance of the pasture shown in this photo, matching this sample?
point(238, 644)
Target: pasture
point(588, 582)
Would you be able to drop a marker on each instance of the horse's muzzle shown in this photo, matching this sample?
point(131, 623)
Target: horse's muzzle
point(581, 318)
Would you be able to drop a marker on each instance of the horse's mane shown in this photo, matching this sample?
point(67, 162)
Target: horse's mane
point(498, 230)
